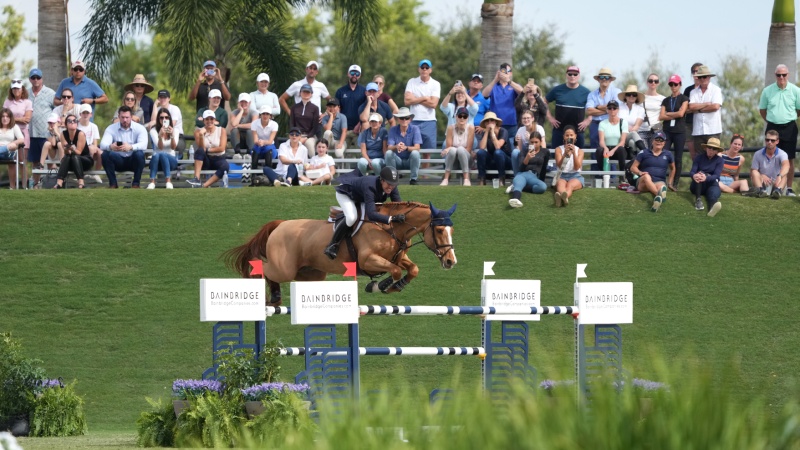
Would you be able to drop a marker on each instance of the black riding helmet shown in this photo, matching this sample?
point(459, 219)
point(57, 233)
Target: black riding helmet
point(389, 175)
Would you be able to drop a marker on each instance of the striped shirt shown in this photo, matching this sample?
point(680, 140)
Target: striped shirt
point(731, 165)
point(42, 107)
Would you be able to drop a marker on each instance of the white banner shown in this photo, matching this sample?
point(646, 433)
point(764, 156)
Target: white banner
point(514, 293)
point(324, 302)
point(232, 299)
point(604, 303)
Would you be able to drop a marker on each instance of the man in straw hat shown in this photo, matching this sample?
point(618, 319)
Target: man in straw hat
point(769, 169)
point(779, 104)
point(403, 144)
point(705, 101)
point(596, 104)
point(493, 150)
point(140, 87)
point(705, 174)
point(84, 89)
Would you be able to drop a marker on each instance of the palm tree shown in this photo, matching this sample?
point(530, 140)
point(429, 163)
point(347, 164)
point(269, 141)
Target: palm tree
point(782, 43)
point(52, 41)
point(253, 32)
point(497, 27)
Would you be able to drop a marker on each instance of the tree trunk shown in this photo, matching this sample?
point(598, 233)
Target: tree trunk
point(52, 41)
point(497, 26)
point(782, 42)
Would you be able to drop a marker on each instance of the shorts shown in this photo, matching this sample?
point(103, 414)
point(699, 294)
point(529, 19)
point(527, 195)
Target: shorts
point(727, 181)
point(35, 151)
point(573, 176)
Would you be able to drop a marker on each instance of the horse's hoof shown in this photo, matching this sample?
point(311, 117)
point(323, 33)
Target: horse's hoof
point(371, 287)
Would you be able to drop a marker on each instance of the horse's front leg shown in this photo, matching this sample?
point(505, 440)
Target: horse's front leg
point(411, 272)
point(376, 263)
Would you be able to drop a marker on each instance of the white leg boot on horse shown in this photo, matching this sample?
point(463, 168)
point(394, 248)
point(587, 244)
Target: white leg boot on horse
point(339, 233)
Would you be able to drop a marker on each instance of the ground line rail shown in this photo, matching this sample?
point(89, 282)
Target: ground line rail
point(389, 310)
point(392, 351)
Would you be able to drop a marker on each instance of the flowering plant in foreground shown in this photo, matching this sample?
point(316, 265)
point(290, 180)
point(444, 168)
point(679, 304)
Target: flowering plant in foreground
point(184, 389)
point(639, 385)
point(270, 391)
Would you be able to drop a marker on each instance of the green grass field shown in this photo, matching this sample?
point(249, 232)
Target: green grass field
point(103, 285)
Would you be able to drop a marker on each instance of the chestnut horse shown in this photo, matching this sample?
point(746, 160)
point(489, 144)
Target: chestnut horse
point(293, 249)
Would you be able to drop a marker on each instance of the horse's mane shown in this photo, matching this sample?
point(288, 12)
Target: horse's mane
point(391, 205)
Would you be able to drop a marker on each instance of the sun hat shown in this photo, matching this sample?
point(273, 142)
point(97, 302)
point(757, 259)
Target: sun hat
point(675, 79)
point(214, 93)
point(403, 112)
point(208, 113)
point(491, 116)
point(704, 71)
point(375, 117)
point(244, 97)
point(715, 144)
point(631, 89)
point(264, 110)
point(262, 77)
point(140, 79)
point(372, 87)
point(605, 71)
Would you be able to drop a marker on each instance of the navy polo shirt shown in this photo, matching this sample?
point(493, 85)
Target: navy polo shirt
point(350, 100)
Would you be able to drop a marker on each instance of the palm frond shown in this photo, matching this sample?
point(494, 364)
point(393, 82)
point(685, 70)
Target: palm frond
point(360, 18)
point(271, 50)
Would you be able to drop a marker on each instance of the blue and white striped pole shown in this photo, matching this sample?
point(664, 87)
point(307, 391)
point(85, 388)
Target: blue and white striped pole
point(386, 310)
point(395, 351)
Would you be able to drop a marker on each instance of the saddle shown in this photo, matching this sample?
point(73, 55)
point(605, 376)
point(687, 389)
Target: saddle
point(334, 216)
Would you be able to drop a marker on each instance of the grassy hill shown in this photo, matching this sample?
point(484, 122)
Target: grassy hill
point(103, 285)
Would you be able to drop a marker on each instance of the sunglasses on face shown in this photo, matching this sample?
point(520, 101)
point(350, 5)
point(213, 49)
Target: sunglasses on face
point(404, 118)
point(703, 77)
point(66, 96)
point(36, 77)
point(781, 75)
point(425, 68)
point(603, 78)
point(72, 121)
point(570, 74)
point(294, 133)
point(653, 81)
point(673, 84)
point(631, 94)
point(770, 140)
point(612, 108)
point(78, 69)
point(86, 112)
point(353, 73)
point(462, 116)
point(130, 99)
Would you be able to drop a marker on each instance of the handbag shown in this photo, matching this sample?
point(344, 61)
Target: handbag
point(49, 180)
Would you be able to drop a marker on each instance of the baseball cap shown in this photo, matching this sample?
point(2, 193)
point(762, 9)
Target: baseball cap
point(675, 79)
point(425, 61)
point(208, 113)
point(163, 93)
point(372, 86)
point(264, 110)
point(35, 72)
point(612, 102)
point(375, 117)
point(574, 69)
point(78, 63)
point(332, 102)
point(477, 75)
point(295, 129)
point(462, 110)
point(16, 84)
point(209, 63)
point(214, 93)
point(355, 67)
point(306, 87)
point(660, 135)
point(52, 118)
point(262, 77)
point(312, 63)
point(85, 107)
point(244, 97)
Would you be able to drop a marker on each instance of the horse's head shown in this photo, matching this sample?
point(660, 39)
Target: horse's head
point(439, 236)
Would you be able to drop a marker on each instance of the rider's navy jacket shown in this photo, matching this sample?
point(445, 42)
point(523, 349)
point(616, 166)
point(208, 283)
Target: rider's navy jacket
point(367, 190)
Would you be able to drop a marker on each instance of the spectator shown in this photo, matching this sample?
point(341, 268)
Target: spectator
point(350, 98)
point(334, 126)
point(502, 93)
point(569, 161)
point(129, 100)
point(632, 110)
point(533, 168)
point(215, 106)
point(83, 88)
point(93, 136)
point(380, 81)
point(211, 141)
point(177, 119)
point(673, 110)
point(22, 108)
point(305, 116)
point(596, 104)
point(769, 168)
point(458, 144)
point(652, 109)
point(531, 100)
point(374, 105)
point(404, 142)
point(123, 146)
point(318, 90)
point(651, 167)
point(264, 131)
point(476, 94)
point(321, 164)
point(141, 88)
point(373, 144)
point(732, 163)
point(689, 116)
point(263, 97)
point(422, 97)
point(241, 129)
point(42, 97)
point(11, 141)
point(50, 148)
point(779, 104)
point(165, 141)
point(522, 139)
point(292, 156)
point(493, 151)
point(66, 107)
point(209, 80)
point(76, 153)
point(612, 133)
point(570, 99)
point(459, 100)
point(705, 102)
point(706, 169)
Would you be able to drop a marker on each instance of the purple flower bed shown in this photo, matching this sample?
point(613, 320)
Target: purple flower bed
point(184, 389)
point(268, 391)
point(51, 383)
point(638, 384)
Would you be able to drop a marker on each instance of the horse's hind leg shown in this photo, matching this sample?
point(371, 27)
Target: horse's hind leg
point(274, 293)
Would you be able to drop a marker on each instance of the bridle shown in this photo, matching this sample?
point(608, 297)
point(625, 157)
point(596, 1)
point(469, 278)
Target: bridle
point(437, 249)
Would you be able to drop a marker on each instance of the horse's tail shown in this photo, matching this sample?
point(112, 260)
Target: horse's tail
point(238, 258)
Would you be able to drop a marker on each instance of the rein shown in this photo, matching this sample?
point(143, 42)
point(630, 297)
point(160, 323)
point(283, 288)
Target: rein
point(403, 243)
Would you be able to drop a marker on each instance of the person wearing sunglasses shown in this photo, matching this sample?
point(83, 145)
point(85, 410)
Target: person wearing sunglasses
point(652, 108)
point(22, 108)
point(705, 173)
point(570, 99)
point(335, 126)
point(778, 106)
point(380, 82)
point(305, 116)
point(165, 142)
point(374, 105)
point(612, 132)
point(76, 153)
point(350, 97)
point(673, 110)
point(93, 136)
point(422, 96)
point(67, 106)
point(690, 116)
point(292, 158)
point(373, 144)
point(318, 91)
point(403, 144)
point(211, 142)
point(631, 108)
point(769, 168)
point(502, 93)
point(458, 144)
point(596, 104)
point(141, 88)
point(651, 167)
point(129, 100)
point(732, 163)
point(208, 81)
point(705, 102)
point(84, 89)
point(42, 98)
point(11, 141)
point(163, 102)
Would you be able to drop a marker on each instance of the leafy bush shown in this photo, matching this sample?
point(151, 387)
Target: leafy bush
point(19, 377)
point(239, 368)
point(213, 421)
point(58, 411)
point(156, 428)
point(285, 414)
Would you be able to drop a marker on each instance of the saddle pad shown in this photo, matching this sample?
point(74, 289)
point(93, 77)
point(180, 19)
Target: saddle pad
point(336, 213)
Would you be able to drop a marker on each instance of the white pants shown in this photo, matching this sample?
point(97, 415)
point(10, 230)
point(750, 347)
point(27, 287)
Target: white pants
point(348, 208)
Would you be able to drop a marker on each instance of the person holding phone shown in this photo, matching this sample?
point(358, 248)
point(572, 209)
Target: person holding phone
point(165, 140)
point(76, 153)
point(460, 99)
point(209, 79)
point(569, 161)
point(123, 146)
point(532, 171)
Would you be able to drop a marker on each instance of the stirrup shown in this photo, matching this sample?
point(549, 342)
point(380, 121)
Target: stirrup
point(331, 251)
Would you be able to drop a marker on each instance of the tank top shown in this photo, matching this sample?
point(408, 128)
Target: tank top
point(730, 166)
point(460, 138)
point(85, 150)
point(212, 139)
point(568, 162)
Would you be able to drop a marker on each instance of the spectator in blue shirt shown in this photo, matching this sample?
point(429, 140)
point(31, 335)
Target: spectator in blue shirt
point(403, 144)
point(503, 92)
point(705, 174)
point(123, 146)
point(334, 126)
point(84, 89)
point(651, 167)
point(596, 104)
point(373, 144)
point(476, 92)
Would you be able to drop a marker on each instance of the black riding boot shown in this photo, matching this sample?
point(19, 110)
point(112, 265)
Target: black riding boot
point(338, 234)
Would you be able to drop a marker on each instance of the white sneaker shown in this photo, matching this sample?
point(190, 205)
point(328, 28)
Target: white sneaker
point(466, 182)
point(247, 158)
point(304, 183)
point(151, 186)
point(557, 200)
point(565, 198)
point(169, 185)
point(714, 209)
point(444, 182)
point(515, 203)
point(96, 179)
point(508, 191)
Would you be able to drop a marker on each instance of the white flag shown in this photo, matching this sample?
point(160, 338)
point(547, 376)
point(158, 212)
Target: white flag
point(487, 268)
point(581, 272)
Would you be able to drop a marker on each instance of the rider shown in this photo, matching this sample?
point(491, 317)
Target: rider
point(367, 190)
